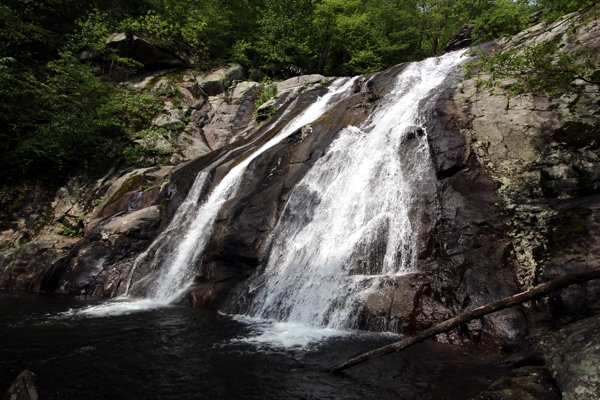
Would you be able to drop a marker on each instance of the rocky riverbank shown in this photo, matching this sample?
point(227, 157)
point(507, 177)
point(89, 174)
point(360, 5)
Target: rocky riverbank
point(514, 203)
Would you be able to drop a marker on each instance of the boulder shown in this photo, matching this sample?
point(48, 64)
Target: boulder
point(144, 52)
point(460, 40)
point(170, 119)
point(573, 357)
point(526, 383)
point(138, 224)
point(218, 81)
point(241, 90)
point(29, 386)
point(265, 110)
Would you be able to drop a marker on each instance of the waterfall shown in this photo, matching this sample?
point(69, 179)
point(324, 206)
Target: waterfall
point(350, 223)
point(174, 256)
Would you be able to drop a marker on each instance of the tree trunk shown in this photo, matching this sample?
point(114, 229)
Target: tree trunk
point(324, 52)
point(533, 293)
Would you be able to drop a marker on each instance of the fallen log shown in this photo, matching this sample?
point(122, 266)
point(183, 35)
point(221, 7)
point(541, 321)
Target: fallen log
point(507, 302)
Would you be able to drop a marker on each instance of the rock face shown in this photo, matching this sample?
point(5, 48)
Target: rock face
point(83, 239)
point(573, 357)
point(514, 202)
point(526, 383)
point(460, 40)
point(218, 81)
point(144, 52)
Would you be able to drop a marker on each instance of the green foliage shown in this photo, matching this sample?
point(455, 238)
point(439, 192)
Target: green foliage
point(59, 116)
point(505, 18)
point(540, 68)
point(269, 93)
point(170, 93)
point(554, 9)
point(144, 155)
point(61, 108)
point(71, 231)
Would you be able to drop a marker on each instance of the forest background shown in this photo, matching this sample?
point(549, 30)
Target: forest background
point(61, 106)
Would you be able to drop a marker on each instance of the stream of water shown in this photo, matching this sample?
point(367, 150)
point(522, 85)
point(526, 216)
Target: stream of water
point(352, 219)
point(183, 353)
point(348, 224)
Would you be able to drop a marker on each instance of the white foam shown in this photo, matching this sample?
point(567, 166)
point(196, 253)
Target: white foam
point(175, 257)
point(285, 335)
point(115, 307)
point(350, 222)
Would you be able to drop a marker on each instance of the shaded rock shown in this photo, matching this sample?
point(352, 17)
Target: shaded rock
point(142, 51)
point(527, 383)
point(573, 357)
point(449, 148)
point(171, 119)
point(240, 91)
point(29, 386)
point(28, 264)
point(193, 143)
point(460, 40)
point(265, 110)
point(218, 81)
point(138, 224)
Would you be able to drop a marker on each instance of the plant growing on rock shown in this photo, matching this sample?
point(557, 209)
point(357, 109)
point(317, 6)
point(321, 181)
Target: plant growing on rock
point(540, 68)
point(269, 93)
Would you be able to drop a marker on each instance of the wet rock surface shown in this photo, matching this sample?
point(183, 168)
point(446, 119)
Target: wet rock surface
point(28, 386)
point(526, 383)
point(514, 202)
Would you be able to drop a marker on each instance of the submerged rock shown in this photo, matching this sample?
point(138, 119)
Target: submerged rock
point(28, 386)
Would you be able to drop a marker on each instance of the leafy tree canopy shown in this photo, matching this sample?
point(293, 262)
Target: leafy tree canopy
point(61, 106)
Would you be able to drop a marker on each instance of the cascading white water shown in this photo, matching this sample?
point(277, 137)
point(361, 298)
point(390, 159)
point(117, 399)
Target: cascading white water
point(174, 255)
point(349, 222)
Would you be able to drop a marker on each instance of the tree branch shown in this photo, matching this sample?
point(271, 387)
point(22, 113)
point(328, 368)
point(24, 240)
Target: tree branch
point(507, 302)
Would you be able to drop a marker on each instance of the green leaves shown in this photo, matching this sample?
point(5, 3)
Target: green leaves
point(538, 68)
point(505, 18)
point(61, 115)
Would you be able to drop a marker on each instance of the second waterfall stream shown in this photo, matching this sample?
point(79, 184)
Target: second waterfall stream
point(348, 225)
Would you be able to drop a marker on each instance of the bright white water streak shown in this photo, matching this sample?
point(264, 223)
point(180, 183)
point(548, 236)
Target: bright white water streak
point(269, 334)
point(173, 256)
point(348, 228)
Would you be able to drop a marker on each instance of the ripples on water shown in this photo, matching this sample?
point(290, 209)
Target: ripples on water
point(183, 353)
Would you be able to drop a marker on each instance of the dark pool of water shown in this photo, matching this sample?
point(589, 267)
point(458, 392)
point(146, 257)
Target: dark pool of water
point(183, 353)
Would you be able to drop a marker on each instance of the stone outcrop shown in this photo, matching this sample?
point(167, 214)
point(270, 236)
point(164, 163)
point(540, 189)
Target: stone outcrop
point(144, 52)
point(573, 357)
point(82, 240)
point(28, 386)
point(513, 202)
point(460, 40)
point(526, 383)
point(218, 81)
